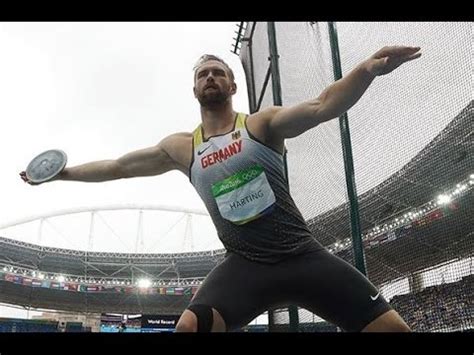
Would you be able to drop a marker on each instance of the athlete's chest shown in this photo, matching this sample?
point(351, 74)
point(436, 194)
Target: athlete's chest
point(232, 148)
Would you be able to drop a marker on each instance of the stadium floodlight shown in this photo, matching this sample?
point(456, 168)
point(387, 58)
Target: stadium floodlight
point(444, 199)
point(415, 214)
point(144, 283)
point(60, 278)
point(41, 276)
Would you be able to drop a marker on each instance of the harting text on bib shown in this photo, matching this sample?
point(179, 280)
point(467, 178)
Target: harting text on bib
point(244, 196)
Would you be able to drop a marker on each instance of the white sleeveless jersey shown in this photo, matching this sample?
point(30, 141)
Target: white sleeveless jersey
point(243, 185)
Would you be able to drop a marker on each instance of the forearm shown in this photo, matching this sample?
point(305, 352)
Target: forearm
point(340, 96)
point(281, 123)
point(144, 162)
point(97, 171)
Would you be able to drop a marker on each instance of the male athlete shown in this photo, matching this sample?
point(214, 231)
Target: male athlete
point(236, 163)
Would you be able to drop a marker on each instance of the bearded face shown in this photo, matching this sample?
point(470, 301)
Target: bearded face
point(212, 95)
point(213, 86)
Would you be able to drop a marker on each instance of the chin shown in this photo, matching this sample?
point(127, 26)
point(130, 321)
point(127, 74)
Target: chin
point(212, 100)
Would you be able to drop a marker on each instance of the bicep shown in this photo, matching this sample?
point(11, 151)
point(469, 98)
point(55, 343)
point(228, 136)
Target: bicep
point(290, 122)
point(146, 162)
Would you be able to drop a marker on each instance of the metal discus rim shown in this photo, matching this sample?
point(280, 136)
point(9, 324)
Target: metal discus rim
point(46, 165)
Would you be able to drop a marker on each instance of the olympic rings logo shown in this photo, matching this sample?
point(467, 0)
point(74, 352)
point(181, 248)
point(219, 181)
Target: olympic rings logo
point(250, 175)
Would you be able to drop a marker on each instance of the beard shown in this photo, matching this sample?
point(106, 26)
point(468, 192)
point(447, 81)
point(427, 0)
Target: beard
point(213, 98)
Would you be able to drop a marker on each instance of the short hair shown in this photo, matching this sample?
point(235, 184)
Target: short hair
point(208, 57)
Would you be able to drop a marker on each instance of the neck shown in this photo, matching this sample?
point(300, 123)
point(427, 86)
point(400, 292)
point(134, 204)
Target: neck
point(217, 120)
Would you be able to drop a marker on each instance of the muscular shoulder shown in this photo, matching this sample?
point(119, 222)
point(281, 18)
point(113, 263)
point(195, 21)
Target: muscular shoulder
point(179, 148)
point(266, 114)
point(258, 125)
point(259, 121)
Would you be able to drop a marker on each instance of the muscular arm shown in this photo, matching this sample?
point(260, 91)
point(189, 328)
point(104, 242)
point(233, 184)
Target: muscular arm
point(338, 97)
point(144, 162)
point(331, 103)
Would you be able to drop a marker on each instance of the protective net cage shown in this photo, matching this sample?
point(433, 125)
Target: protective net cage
point(412, 144)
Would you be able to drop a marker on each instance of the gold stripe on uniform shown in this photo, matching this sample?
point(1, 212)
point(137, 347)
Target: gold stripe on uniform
point(197, 133)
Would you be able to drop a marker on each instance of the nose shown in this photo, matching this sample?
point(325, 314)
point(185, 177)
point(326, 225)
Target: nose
point(210, 77)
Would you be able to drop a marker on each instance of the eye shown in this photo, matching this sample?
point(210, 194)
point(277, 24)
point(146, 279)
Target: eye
point(201, 74)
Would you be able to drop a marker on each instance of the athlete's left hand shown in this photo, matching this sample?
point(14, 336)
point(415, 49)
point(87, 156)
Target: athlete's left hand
point(388, 59)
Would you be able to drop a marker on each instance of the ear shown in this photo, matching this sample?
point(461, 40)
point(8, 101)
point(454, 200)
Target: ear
point(194, 91)
point(233, 88)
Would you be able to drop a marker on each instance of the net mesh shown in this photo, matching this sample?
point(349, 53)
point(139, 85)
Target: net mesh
point(412, 144)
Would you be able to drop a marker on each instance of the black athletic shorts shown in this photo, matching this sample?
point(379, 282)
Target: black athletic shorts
point(240, 290)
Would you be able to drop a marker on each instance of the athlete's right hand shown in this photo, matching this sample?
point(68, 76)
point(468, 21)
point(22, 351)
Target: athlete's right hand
point(25, 178)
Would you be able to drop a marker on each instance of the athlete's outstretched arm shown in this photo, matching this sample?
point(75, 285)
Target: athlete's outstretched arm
point(338, 97)
point(144, 162)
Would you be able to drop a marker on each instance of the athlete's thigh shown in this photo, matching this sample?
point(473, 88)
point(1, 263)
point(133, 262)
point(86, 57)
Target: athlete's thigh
point(238, 289)
point(335, 290)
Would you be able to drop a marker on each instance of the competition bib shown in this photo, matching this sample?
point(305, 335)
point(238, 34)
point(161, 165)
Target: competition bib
point(244, 196)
